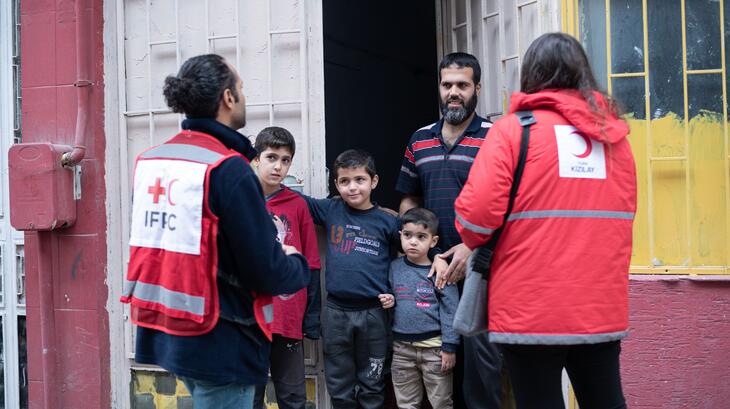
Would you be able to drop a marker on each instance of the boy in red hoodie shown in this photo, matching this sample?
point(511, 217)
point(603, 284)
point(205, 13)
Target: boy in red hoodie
point(295, 315)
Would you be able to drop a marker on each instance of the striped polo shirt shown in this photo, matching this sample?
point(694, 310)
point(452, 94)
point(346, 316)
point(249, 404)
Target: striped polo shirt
point(436, 173)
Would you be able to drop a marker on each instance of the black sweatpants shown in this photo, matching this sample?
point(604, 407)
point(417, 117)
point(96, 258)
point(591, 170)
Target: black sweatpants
point(536, 374)
point(356, 345)
point(482, 382)
point(287, 374)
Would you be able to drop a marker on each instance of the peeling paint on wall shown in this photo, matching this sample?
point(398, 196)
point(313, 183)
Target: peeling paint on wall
point(681, 219)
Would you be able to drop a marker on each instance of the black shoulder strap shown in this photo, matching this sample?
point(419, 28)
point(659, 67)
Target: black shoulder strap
point(526, 120)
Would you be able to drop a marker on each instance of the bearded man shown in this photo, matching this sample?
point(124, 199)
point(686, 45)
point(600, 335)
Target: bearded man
point(435, 167)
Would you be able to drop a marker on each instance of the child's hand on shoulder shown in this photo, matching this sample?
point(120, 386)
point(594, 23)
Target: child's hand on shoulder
point(289, 250)
point(448, 360)
point(386, 300)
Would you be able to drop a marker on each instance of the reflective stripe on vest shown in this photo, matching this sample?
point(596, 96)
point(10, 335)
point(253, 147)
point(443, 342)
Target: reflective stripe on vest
point(473, 227)
point(268, 313)
point(560, 339)
point(549, 214)
point(591, 214)
point(181, 151)
point(174, 300)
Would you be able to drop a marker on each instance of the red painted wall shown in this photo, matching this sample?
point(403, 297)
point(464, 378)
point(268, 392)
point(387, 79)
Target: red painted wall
point(72, 261)
point(678, 352)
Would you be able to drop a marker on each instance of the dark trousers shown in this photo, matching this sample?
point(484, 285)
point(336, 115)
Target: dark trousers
point(356, 345)
point(482, 382)
point(536, 375)
point(287, 374)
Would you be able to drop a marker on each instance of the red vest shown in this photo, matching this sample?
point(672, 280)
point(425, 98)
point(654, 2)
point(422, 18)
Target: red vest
point(173, 263)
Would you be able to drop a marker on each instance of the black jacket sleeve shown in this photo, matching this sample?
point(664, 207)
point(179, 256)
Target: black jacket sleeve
point(311, 325)
point(253, 257)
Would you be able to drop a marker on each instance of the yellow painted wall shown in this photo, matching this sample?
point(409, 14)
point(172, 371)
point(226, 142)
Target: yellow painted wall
point(681, 221)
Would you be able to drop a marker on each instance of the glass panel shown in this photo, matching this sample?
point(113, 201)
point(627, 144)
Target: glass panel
point(493, 67)
point(461, 44)
point(512, 77)
point(665, 58)
point(286, 73)
point(629, 92)
point(510, 27)
point(492, 6)
point(459, 11)
point(2, 363)
point(284, 15)
point(627, 36)
point(529, 24)
point(22, 363)
point(20, 272)
point(2, 272)
point(704, 94)
point(17, 135)
point(592, 27)
point(703, 34)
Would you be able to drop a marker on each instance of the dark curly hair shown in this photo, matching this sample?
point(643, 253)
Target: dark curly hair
point(198, 87)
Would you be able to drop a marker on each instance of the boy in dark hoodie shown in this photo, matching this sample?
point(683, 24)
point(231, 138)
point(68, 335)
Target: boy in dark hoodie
point(295, 315)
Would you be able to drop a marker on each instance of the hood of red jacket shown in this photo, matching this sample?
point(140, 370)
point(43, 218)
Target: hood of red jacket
point(603, 126)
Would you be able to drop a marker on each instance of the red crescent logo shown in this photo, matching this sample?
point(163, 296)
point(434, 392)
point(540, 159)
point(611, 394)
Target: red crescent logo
point(589, 146)
point(169, 191)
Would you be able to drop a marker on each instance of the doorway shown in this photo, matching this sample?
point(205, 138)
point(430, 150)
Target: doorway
point(380, 73)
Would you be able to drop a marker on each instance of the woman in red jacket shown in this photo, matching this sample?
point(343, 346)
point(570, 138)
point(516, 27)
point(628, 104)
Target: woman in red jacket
point(558, 291)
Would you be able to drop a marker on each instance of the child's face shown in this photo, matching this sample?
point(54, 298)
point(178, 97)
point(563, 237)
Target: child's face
point(355, 185)
point(416, 240)
point(272, 166)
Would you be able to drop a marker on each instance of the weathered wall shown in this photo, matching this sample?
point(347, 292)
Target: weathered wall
point(161, 390)
point(678, 351)
point(71, 261)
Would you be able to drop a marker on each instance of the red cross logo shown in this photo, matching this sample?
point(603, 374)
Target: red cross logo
point(156, 191)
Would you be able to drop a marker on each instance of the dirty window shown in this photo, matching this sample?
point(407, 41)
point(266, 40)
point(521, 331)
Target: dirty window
point(629, 91)
point(703, 34)
point(627, 36)
point(665, 58)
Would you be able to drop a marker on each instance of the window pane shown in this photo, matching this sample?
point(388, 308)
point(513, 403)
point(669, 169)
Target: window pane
point(665, 58)
point(629, 91)
point(459, 11)
point(704, 94)
point(627, 36)
point(593, 37)
point(20, 272)
point(2, 364)
point(16, 71)
point(460, 34)
point(2, 272)
point(22, 363)
point(703, 34)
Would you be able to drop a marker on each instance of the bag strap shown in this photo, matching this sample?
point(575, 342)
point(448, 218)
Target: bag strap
point(527, 119)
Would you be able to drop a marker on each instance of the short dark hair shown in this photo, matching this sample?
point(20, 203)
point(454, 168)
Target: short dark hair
point(462, 60)
point(558, 61)
point(275, 137)
point(198, 87)
point(355, 158)
point(422, 216)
